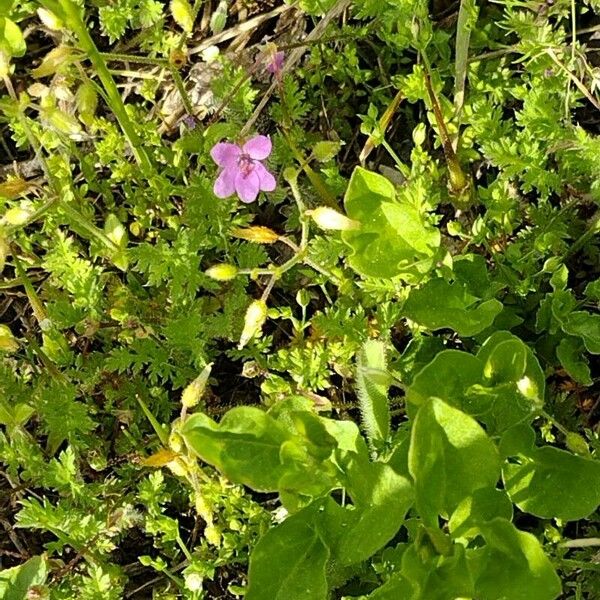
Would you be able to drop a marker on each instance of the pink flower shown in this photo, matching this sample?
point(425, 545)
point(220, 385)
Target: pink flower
point(242, 170)
point(275, 63)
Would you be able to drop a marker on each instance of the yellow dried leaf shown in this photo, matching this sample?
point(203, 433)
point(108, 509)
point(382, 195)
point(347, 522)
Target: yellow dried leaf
point(159, 459)
point(13, 188)
point(257, 234)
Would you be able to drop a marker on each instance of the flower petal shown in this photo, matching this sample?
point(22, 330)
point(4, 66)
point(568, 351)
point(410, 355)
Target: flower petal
point(225, 154)
point(258, 148)
point(266, 180)
point(225, 183)
point(247, 186)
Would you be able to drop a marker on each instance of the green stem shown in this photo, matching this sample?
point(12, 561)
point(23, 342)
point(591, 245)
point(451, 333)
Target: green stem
point(142, 60)
point(160, 432)
point(75, 22)
point(39, 310)
point(458, 180)
point(189, 109)
point(82, 222)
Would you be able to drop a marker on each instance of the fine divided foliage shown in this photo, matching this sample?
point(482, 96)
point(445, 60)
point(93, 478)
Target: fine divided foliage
point(300, 300)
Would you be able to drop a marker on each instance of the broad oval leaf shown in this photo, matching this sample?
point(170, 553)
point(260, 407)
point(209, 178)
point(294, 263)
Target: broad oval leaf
point(439, 305)
point(512, 565)
point(450, 457)
point(289, 561)
point(552, 483)
point(245, 445)
point(393, 238)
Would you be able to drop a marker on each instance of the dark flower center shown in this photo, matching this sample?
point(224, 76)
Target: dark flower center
point(245, 164)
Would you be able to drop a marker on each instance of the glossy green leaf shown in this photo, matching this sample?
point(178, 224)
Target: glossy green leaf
point(381, 500)
point(11, 37)
point(393, 238)
point(439, 305)
point(551, 483)
point(16, 582)
point(450, 457)
point(512, 565)
point(448, 376)
point(245, 445)
point(587, 327)
point(571, 353)
point(492, 352)
point(501, 386)
point(484, 505)
point(289, 561)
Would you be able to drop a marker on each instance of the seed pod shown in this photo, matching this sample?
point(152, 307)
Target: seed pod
point(256, 315)
point(193, 392)
point(223, 272)
point(328, 218)
point(178, 58)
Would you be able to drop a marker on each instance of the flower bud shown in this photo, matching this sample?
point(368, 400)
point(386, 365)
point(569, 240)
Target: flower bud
point(328, 218)
point(222, 272)
point(577, 444)
point(219, 18)
point(175, 442)
point(16, 216)
point(257, 233)
point(14, 187)
point(49, 19)
point(256, 315)
point(86, 99)
point(8, 343)
point(178, 467)
point(193, 392)
point(4, 252)
point(183, 14)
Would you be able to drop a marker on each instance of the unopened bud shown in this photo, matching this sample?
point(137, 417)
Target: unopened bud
point(49, 19)
point(257, 233)
point(178, 467)
point(16, 216)
point(4, 252)
point(193, 392)
point(183, 14)
point(577, 444)
point(14, 187)
point(86, 100)
point(256, 315)
point(328, 218)
point(219, 18)
point(8, 343)
point(222, 272)
point(175, 442)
